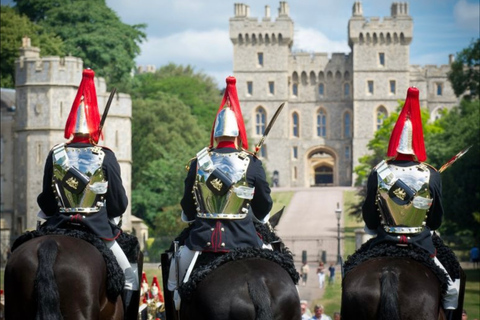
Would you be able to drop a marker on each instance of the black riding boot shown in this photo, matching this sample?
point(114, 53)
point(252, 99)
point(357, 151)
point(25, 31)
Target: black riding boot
point(131, 300)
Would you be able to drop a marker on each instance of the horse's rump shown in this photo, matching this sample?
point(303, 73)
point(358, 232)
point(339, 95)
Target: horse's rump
point(72, 277)
point(391, 288)
point(252, 288)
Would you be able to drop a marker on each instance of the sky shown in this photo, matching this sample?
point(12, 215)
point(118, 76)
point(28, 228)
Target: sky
point(195, 32)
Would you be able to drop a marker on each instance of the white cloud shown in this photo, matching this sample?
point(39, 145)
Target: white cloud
point(187, 47)
point(467, 15)
point(311, 40)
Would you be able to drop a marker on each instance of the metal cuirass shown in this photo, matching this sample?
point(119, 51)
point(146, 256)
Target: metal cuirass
point(221, 190)
point(403, 197)
point(78, 179)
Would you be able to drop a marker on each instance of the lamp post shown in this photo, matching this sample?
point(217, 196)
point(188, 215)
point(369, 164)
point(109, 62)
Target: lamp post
point(338, 214)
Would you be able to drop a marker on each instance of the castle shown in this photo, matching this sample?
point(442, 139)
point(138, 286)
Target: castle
point(32, 121)
point(334, 104)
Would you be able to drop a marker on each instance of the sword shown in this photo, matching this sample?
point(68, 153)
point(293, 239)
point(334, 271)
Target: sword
point(455, 158)
point(267, 130)
point(105, 112)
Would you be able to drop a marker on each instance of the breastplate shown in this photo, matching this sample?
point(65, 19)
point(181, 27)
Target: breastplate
point(87, 163)
point(233, 204)
point(400, 212)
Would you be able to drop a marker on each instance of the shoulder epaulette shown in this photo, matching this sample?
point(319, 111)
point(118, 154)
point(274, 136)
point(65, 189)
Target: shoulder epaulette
point(248, 152)
point(429, 165)
point(187, 166)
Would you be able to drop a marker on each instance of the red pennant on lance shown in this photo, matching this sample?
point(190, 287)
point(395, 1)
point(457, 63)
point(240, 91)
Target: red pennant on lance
point(86, 93)
point(231, 98)
point(411, 111)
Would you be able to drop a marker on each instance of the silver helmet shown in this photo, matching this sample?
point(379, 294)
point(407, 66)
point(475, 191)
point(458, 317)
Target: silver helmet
point(226, 124)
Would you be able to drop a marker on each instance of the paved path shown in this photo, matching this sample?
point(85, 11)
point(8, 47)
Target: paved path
point(309, 224)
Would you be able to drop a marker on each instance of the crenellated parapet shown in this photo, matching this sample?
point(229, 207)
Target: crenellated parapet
point(245, 30)
point(397, 29)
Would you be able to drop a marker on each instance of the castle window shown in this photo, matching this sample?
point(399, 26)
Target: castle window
point(321, 123)
point(370, 86)
point(263, 151)
point(381, 58)
point(271, 87)
point(260, 58)
point(39, 153)
point(249, 88)
point(260, 120)
point(436, 114)
point(439, 87)
point(321, 89)
point(347, 153)
point(295, 125)
point(347, 125)
point(295, 152)
point(295, 89)
point(381, 116)
point(346, 89)
point(393, 88)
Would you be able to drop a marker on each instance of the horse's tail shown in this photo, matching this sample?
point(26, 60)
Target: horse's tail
point(46, 290)
point(388, 308)
point(260, 296)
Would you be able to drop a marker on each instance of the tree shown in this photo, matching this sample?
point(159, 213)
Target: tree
point(461, 195)
point(93, 32)
point(165, 137)
point(13, 27)
point(196, 90)
point(465, 72)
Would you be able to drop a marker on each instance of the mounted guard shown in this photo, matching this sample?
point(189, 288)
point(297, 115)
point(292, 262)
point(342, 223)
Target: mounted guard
point(82, 185)
point(226, 192)
point(404, 195)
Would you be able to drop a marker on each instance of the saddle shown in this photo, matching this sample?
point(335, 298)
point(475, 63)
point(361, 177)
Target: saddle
point(388, 249)
point(115, 275)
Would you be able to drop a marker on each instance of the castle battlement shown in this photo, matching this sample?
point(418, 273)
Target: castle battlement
point(247, 30)
point(395, 29)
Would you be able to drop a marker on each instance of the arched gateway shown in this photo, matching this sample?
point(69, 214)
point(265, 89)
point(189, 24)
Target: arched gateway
point(322, 167)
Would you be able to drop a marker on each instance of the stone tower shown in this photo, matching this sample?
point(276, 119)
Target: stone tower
point(381, 69)
point(335, 102)
point(45, 90)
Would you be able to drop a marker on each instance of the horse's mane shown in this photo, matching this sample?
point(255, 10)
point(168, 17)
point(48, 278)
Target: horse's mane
point(115, 275)
point(208, 262)
point(386, 249)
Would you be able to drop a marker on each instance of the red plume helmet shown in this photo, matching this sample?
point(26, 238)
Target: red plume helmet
point(84, 117)
point(160, 295)
point(230, 98)
point(407, 135)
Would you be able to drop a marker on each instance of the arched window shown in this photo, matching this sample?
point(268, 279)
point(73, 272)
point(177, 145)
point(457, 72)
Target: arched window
point(295, 125)
point(260, 121)
point(295, 89)
point(321, 123)
point(382, 114)
point(347, 125)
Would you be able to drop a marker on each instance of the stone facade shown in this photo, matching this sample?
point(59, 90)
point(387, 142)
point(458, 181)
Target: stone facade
point(33, 120)
point(333, 103)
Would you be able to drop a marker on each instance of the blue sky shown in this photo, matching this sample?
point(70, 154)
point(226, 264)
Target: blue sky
point(195, 32)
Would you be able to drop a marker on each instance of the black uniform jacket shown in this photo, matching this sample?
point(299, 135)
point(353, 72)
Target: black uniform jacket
point(222, 235)
point(98, 223)
point(371, 215)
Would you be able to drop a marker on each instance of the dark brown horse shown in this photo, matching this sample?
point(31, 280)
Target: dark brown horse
point(392, 288)
point(58, 277)
point(248, 289)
